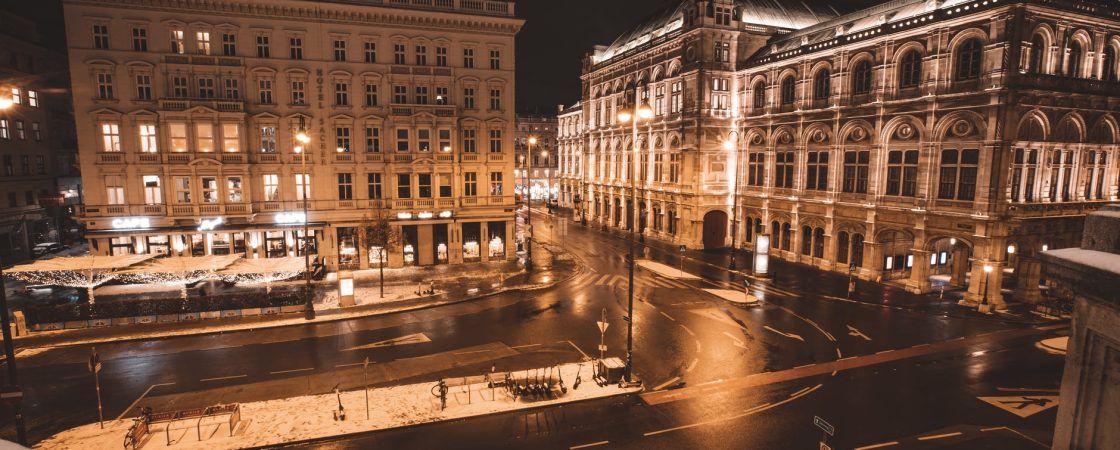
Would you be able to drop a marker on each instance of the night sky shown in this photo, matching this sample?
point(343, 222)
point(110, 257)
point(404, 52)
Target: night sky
point(550, 47)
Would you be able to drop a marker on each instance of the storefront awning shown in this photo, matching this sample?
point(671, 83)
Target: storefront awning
point(183, 265)
point(288, 265)
point(81, 263)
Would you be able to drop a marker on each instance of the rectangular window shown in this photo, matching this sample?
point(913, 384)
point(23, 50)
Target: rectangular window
point(421, 95)
point(958, 174)
point(234, 190)
point(295, 48)
point(402, 139)
point(658, 168)
point(856, 169)
point(33, 99)
point(271, 183)
point(370, 49)
point(444, 140)
point(495, 183)
point(110, 137)
point(229, 44)
point(373, 185)
point(723, 52)
point(495, 99)
point(342, 139)
point(339, 50)
point(720, 96)
point(206, 88)
point(421, 55)
point(268, 139)
point(1023, 175)
point(36, 132)
point(400, 94)
point(233, 89)
point(139, 39)
point(495, 59)
point(104, 85)
point(470, 184)
point(303, 186)
point(182, 188)
point(675, 168)
point(179, 87)
point(371, 95)
point(784, 169)
point(25, 165)
point(902, 173)
point(341, 94)
point(176, 44)
point(659, 100)
point(178, 133)
point(114, 190)
point(424, 183)
point(153, 194)
point(9, 169)
point(265, 87)
point(101, 36)
point(20, 132)
point(298, 96)
point(17, 96)
point(756, 169)
point(4, 134)
point(263, 48)
point(424, 139)
point(441, 95)
point(149, 140)
point(468, 58)
point(345, 186)
point(373, 140)
point(495, 141)
point(444, 185)
point(468, 98)
point(40, 165)
point(202, 39)
point(404, 185)
point(204, 137)
point(470, 144)
point(231, 137)
point(398, 54)
point(816, 174)
point(675, 104)
point(209, 190)
point(441, 56)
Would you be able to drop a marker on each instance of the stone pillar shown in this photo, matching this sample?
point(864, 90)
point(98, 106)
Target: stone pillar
point(455, 243)
point(919, 272)
point(981, 282)
point(959, 271)
point(484, 244)
point(425, 244)
point(1028, 275)
point(873, 261)
point(511, 250)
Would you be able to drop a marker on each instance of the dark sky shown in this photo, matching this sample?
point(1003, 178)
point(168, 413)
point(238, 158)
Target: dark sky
point(550, 47)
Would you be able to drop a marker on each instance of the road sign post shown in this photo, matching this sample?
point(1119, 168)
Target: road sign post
point(95, 369)
point(365, 377)
point(828, 430)
point(682, 249)
point(603, 334)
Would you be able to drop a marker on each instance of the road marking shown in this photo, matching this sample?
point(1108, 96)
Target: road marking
point(336, 366)
point(1022, 405)
point(692, 365)
point(667, 316)
point(830, 336)
point(232, 377)
point(417, 338)
point(472, 351)
point(789, 335)
point(804, 366)
point(853, 331)
point(939, 436)
point(838, 354)
point(666, 383)
point(884, 351)
point(807, 392)
point(884, 444)
point(291, 371)
point(690, 333)
point(795, 394)
point(737, 342)
point(1018, 433)
point(593, 444)
point(573, 344)
point(525, 346)
point(141, 397)
point(1003, 389)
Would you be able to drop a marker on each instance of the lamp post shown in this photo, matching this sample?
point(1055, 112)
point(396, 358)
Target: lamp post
point(547, 182)
point(642, 112)
point(732, 144)
point(984, 306)
point(9, 348)
point(528, 193)
point(304, 139)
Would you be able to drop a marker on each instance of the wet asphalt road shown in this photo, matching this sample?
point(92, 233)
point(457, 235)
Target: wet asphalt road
point(682, 334)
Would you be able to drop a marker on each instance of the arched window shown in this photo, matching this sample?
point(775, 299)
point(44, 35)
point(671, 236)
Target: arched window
point(1108, 60)
point(775, 226)
point(861, 78)
point(842, 247)
point(787, 90)
point(857, 250)
point(748, 230)
point(818, 243)
point(1038, 48)
point(785, 236)
point(821, 85)
point(806, 240)
point(910, 71)
point(760, 95)
point(969, 56)
point(1073, 67)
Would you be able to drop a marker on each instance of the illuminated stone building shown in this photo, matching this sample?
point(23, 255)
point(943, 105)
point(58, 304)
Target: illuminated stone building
point(916, 141)
point(188, 112)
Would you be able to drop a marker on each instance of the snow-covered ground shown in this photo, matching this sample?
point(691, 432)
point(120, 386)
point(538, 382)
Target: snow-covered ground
point(275, 422)
point(666, 271)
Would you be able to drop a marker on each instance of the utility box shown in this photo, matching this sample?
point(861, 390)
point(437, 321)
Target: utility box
point(345, 288)
point(19, 324)
point(611, 369)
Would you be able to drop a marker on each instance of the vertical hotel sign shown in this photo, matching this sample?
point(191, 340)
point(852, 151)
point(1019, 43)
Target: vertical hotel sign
point(762, 254)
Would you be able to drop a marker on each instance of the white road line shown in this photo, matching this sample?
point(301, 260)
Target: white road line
point(141, 397)
point(593, 444)
point(884, 351)
point(690, 333)
point(472, 351)
point(838, 354)
point(666, 383)
point(292, 370)
point(667, 316)
point(789, 335)
point(939, 436)
point(795, 394)
point(336, 366)
point(880, 445)
point(232, 377)
point(525, 346)
point(807, 365)
point(735, 340)
point(573, 344)
point(682, 427)
point(829, 336)
point(692, 365)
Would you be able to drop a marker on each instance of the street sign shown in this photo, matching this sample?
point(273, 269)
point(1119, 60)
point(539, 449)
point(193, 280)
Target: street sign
point(602, 326)
point(1022, 405)
point(682, 249)
point(94, 364)
point(824, 426)
point(825, 446)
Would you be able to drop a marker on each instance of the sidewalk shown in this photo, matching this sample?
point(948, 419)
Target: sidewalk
point(296, 419)
point(452, 284)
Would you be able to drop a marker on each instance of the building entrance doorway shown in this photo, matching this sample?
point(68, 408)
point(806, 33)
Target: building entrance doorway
point(715, 229)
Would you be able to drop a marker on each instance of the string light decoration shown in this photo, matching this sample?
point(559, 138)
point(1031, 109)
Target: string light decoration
point(79, 272)
point(262, 271)
point(179, 271)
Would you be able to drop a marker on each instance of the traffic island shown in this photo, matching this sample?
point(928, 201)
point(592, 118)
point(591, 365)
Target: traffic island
point(334, 414)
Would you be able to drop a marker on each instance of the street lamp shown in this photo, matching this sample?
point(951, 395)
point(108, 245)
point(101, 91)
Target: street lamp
point(732, 144)
point(643, 113)
point(5, 321)
point(304, 139)
point(527, 191)
point(548, 181)
point(984, 306)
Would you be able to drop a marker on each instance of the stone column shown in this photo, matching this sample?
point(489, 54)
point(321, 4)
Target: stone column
point(455, 243)
point(919, 272)
point(484, 244)
point(959, 271)
point(981, 282)
point(872, 260)
point(1028, 275)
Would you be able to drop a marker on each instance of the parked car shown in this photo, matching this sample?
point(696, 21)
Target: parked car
point(45, 248)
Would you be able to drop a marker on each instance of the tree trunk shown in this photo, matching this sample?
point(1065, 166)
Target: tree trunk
point(381, 269)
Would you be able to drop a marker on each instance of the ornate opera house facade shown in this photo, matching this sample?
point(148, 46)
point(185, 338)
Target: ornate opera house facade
point(922, 143)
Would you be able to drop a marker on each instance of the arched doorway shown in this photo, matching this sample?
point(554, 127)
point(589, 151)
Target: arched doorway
point(715, 229)
point(949, 263)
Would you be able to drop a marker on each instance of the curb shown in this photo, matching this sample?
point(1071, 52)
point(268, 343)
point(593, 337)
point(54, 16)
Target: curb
point(265, 325)
point(345, 436)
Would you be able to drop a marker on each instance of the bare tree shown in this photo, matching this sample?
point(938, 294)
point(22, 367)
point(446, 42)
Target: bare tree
point(379, 232)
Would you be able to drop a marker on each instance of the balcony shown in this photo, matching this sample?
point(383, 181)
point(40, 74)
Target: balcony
point(412, 109)
point(203, 60)
point(402, 158)
point(233, 158)
point(183, 104)
point(496, 157)
point(469, 157)
point(1058, 83)
point(266, 157)
point(374, 157)
point(148, 158)
point(110, 158)
point(344, 157)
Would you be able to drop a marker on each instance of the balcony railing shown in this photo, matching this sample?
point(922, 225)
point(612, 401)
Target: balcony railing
point(1060, 83)
point(182, 104)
